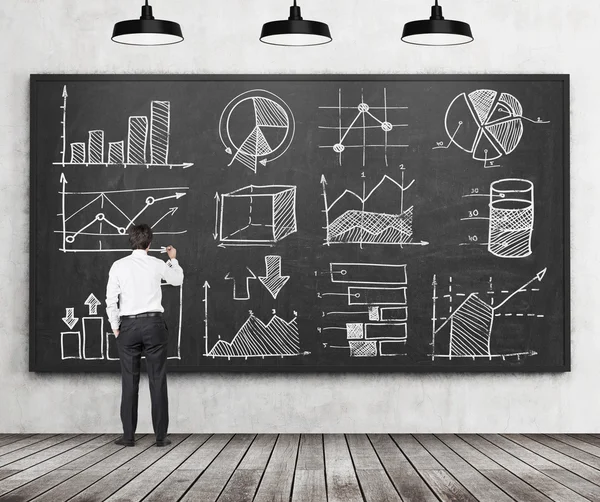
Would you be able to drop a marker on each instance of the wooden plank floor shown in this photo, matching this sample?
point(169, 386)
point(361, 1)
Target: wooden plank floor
point(302, 468)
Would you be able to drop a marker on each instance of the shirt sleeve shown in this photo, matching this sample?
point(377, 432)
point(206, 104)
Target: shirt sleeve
point(172, 273)
point(113, 290)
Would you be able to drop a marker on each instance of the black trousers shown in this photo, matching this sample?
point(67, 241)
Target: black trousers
point(147, 336)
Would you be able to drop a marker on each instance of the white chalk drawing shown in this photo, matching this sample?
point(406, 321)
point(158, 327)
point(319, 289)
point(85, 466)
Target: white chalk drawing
point(485, 123)
point(356, 124)
point(371, 218)
point(97, 345)
point(381, 288)
point(256, 127)
point(273, 280)
point(510, 220)
point(471, 325)
point(92, 303)
point(70, 345)
point(255, 339)
point(70, 320)
point(98, 221)
point(256, 215)
point(157, 132)
point(241, 289)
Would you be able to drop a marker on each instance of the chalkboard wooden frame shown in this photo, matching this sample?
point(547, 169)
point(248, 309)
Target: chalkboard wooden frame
point(35, 366)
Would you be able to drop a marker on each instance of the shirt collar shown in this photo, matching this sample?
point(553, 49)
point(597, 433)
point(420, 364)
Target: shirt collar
point(139, 252)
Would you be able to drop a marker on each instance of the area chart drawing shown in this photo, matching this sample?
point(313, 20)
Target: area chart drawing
point(485, 123)
point(365, 219)
point(153, 133)
point(355, 125)
point(256, 127)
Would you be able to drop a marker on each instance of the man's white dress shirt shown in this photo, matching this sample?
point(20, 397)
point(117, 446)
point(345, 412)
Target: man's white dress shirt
point(134, 285)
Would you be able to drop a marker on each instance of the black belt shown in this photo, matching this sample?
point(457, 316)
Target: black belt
point(139, 316)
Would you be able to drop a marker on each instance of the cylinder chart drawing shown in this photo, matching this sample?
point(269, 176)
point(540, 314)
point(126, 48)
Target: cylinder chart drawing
point(511, 218)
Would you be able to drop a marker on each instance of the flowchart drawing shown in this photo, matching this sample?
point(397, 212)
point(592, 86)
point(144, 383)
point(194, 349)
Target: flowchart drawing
point(256, 215)
point(381, 289)
point(471, 326)
point(485, 123)
point(141, 131)
point(362, 219)
point(98, 221)
point(256, 127)
point(356, 124)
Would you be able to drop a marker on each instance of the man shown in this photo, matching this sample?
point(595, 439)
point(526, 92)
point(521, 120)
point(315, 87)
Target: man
point(134, 308)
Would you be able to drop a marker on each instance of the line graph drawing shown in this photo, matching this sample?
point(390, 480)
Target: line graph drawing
point(268, 137)
point(256, 215)
point(96, 221)
point(156, 132)
point(471, 325)
point(368, 218)
point(352, 133)
point(273, 281)
point(381, 288)
point(511, 218)
point(485, 123)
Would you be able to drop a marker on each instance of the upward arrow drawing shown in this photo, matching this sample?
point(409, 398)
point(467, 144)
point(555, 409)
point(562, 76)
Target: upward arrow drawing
point(241, 291)
point(92, 302)
point(273, 280)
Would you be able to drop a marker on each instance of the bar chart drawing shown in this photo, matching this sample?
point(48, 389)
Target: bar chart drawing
point(147, 144)
point(97, 221)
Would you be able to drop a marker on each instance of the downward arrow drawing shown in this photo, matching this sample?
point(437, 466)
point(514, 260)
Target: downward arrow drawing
point(274, 281)
point(92, 302)
point(70, 319)
point(243, 292)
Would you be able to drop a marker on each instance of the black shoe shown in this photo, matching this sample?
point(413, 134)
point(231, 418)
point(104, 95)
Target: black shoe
point(163, 442)
point(124, 442)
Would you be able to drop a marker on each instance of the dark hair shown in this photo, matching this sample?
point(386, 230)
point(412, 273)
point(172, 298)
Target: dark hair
point(140, 236)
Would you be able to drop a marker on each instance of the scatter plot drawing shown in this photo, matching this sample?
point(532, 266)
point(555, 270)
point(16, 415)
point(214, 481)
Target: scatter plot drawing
point(485, 123)
point(468, 330)
point(256, 215)
point(256, 127)
point(98, 221)
point(130, 153)
point(377, 217)
point(381, 289)
point(357, 124)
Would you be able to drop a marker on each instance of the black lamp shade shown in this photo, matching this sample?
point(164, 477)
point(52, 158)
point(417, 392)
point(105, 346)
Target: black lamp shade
point(437, 30)
point(147, 30)
point(295, 31)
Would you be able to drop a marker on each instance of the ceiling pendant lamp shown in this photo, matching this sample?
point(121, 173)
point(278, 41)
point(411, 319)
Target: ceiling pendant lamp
point(295, 31)
point(437, 30)
point(147, 31)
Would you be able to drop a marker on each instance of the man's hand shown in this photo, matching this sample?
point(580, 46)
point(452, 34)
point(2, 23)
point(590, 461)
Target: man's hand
point(172, 252)
point(116, 332)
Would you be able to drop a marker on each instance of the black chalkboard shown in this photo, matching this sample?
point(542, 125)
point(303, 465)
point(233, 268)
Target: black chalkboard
point(324, 223)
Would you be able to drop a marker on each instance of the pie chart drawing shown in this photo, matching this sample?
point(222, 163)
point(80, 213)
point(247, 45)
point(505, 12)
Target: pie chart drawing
point(485, 123)
point(256, 127)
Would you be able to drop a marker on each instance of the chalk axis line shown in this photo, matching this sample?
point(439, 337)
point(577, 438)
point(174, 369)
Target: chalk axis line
point(365, 113)
point(115, 228)
point(486, 124)
point(157, 133)
point(272, 132)
point(471, 325)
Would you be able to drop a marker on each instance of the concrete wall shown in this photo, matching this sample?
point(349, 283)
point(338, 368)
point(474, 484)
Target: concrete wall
point(513, 36)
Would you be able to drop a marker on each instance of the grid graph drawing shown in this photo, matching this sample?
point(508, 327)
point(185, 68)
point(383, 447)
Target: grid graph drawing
point(359, 124)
